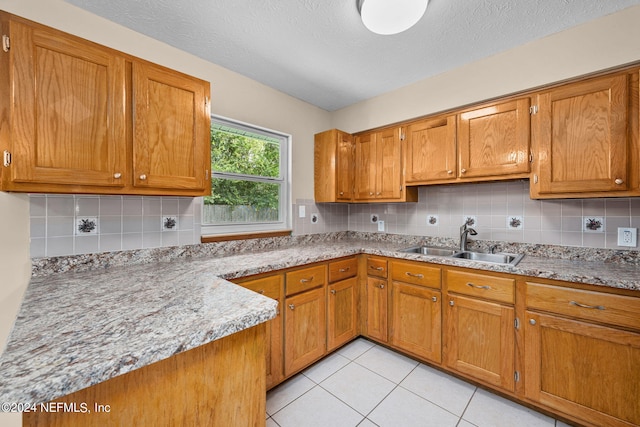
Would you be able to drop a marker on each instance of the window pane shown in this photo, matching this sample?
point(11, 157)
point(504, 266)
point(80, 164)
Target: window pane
point(237, 201)
point(244, 153)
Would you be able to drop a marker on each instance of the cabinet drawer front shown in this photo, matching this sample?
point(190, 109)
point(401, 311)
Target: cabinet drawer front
point(307, 278)
point(339, 270)
point(268, 286)
point(416, 273)
point(377, 267)
point(482, 285)
point(600, 307)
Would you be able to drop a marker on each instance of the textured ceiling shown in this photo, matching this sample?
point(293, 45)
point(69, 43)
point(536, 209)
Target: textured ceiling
point(319, 51)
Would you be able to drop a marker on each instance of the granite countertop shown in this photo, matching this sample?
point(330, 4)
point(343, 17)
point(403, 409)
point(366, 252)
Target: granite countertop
point(78, 328)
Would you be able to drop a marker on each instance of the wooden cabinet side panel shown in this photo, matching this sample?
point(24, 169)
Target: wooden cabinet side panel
point(218, 384)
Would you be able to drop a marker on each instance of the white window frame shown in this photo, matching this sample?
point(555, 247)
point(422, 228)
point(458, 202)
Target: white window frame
point(284, 180)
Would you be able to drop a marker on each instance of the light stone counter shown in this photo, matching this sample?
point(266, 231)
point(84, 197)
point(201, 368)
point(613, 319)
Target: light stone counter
point(105, 315)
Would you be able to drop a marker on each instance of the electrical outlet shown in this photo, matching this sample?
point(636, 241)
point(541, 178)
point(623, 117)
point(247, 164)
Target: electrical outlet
point(380, 225)
point(627, 237)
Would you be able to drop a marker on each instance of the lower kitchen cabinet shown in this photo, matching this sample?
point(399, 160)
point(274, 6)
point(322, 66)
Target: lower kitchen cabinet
point(416, 311)
point(342, 313)
point(377, 301)
point(271, 287)
point(305, 329)
point(579, 367)
point(480, 334)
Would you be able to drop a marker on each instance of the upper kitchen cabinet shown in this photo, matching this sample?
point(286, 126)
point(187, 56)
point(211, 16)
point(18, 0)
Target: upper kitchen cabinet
point(582, 139)
point(379, 174)
point(333, 166)
point(171, 130)
point(493, 141)
point(431, 150)
point(77, 117)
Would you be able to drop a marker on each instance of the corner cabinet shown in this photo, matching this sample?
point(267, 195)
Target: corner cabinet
point(77, 117)
point(585, 139)
point(379, 174)
point(333, 170)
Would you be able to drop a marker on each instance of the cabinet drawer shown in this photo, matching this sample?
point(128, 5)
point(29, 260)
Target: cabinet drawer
point(340, 270)
point(268, 286)
point(305, 279)
point(377, 267)
point(482, 285)
point(588, 305)
point(416, 273)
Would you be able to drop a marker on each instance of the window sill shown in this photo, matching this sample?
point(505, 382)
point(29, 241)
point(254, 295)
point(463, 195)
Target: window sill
point(244, 236)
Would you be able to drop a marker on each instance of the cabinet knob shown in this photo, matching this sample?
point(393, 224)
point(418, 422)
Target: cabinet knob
point(342, 193)
point(381, 286)
point(463, 171)
point(379, 193)
point(532, 321)
point(291, 306)
point(371, 193)
point(143, 177)
point(449, 171)
point(618, 181)
point(434, 299)
point(333, 291)
point(451, 303)
point(117, 175)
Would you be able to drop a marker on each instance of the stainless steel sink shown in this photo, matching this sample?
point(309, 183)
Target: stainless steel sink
point(498, 258)
point(430, 250)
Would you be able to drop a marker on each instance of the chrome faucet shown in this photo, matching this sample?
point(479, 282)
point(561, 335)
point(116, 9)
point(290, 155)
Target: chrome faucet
point(464, 231)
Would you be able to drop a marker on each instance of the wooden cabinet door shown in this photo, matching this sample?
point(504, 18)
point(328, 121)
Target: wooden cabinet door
point(68, 124)
point(582, 138)
point(586, 370)
point(342, 312)
point(344, 167)
point(271, 287)
point(480, 340)
point(416, 320)
point(431, 150)
point(365, 162)
point(377, 301)
point(305, 329)
point(171, 130)
point(494, 140)
point(388, 164)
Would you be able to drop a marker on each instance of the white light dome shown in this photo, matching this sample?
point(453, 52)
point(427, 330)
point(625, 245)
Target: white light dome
point(391, 16)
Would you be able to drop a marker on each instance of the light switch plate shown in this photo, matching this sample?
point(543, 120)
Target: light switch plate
point(380, 225)
point(302, 212)
point(627, 236)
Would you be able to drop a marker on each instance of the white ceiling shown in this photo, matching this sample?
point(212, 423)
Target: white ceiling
point(319, 51)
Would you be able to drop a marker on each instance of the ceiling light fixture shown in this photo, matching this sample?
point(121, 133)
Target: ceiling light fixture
point(391, 16)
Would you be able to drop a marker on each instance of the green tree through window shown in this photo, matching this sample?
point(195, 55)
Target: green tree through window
point(247, 177)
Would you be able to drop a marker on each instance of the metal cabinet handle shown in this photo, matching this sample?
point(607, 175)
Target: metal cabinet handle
point(463, 171)
point(478, 286)
point(333, 291)
point(378, 193)
point(261, 291)
point(143, 177)
point(376, 268)
point(380, 286)
point(451, 303)
point(618, 181)
point(434, 299)
point(370, 193)
point(449, 172)
point(344, 270)
point(291, 306)
point(342, 193)
point(117, 175)
point(419, 276)
point(532, 321)
point(594, 307)
point(306, 280)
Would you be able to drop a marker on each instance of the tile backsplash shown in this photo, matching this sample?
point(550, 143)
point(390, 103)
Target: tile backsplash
point(79, 224)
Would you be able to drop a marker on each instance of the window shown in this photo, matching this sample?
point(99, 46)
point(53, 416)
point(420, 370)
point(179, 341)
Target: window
point(249, 180)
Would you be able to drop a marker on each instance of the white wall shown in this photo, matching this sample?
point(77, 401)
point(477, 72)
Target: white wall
point(594, 46)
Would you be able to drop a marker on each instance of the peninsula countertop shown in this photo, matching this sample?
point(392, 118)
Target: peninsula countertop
point(78, 328)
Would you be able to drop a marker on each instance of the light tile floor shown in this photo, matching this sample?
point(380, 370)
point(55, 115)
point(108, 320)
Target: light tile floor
point(366, 385)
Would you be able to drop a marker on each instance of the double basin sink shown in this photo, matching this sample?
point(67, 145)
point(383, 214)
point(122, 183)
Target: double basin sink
point(494, 258)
